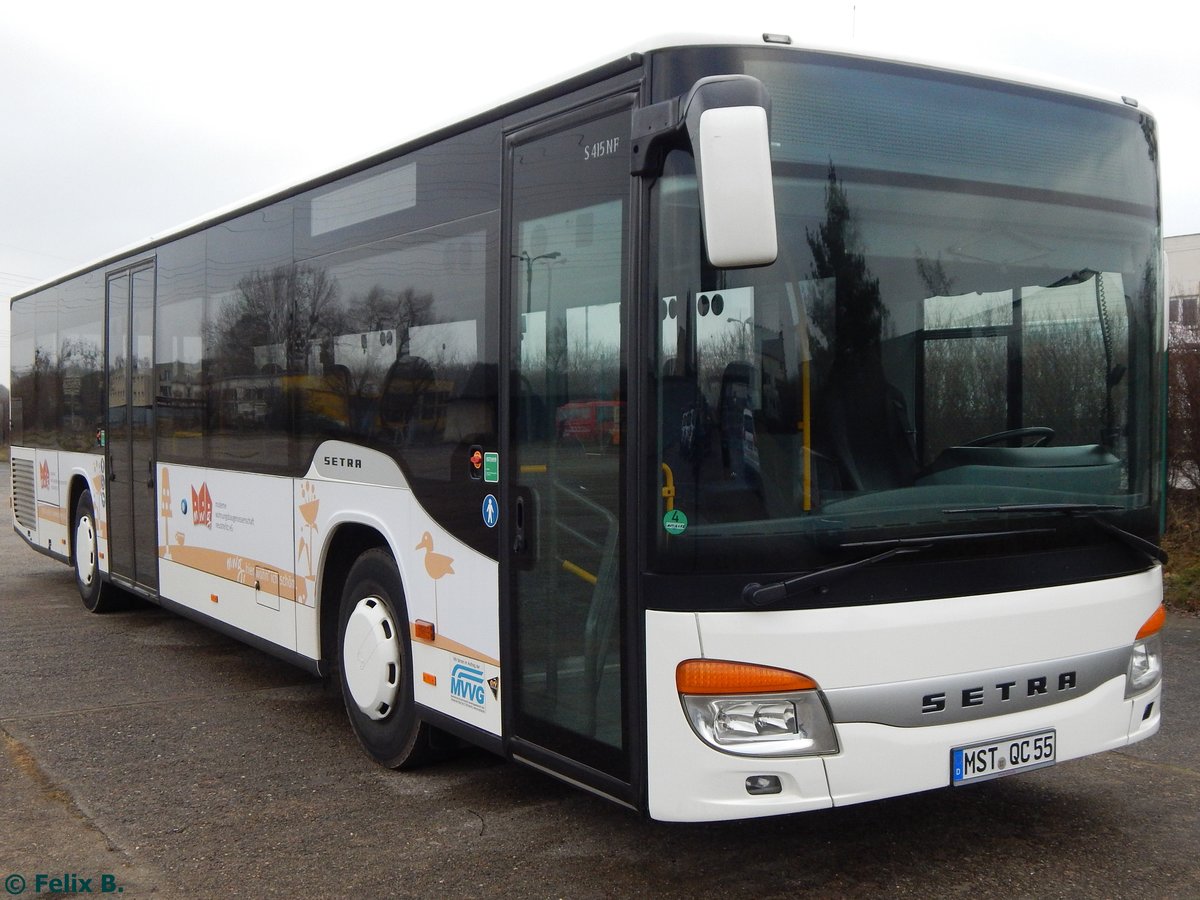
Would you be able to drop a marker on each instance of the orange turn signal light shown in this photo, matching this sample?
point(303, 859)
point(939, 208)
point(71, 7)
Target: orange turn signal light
point(1153, 624)
point(422, 630)
point(718, 676)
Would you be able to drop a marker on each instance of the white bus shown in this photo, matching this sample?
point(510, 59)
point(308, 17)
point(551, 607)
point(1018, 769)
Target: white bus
point(876, 504)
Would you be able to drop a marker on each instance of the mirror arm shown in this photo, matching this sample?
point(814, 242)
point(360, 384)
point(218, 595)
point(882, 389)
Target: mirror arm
point(719, 92)
point(660, 127)
point(725, 119)
point(656, 130)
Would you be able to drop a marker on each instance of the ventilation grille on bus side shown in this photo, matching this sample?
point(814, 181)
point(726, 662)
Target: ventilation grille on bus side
point(24, 492)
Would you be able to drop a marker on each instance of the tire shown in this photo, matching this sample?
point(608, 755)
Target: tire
point(375, 665)
point(96, 594)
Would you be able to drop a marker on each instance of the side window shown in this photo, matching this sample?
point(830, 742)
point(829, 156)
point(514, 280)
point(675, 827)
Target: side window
point(81, 359)
point(407, 348)
point(47, 368)
point(24, 371)
point(179, 350)
point(450, 181)
point(263, 310)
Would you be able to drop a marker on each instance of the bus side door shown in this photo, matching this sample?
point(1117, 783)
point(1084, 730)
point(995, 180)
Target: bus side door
point(568, 246)
point(129, 427)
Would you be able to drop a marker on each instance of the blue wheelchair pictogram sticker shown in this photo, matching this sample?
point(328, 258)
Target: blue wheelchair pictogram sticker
point(491, 511)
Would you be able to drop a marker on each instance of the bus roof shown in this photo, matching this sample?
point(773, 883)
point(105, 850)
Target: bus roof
point(581, 76)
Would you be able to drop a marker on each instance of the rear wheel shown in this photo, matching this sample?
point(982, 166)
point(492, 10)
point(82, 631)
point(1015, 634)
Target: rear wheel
point(375, 664)
point(96, 595)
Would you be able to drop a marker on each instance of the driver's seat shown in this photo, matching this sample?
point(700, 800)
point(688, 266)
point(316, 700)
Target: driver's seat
point(864, 422)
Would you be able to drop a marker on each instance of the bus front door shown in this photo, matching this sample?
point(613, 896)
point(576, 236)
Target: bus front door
point(566, 673)
point(129, 427)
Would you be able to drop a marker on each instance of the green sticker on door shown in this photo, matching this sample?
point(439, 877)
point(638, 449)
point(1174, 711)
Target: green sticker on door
point(675, 522)
point(491, 468)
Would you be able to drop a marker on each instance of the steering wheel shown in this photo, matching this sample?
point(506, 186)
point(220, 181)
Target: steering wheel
point(1043, 435)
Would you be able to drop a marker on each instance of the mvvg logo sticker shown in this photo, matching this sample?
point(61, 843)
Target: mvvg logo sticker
point(202, 507)
point(466, 685)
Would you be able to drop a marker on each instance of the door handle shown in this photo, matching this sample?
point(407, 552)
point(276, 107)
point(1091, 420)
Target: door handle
point(519, 542)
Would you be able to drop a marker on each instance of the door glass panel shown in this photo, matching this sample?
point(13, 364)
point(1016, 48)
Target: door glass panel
point(141, 421)
point(132, 511)
point(568, 281)
point(120, 471)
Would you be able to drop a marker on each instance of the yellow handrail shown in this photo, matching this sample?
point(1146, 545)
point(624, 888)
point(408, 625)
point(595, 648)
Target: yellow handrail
point(575, 570)
point(668, 491)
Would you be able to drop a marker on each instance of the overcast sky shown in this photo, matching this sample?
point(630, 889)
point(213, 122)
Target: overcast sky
point(121, 120)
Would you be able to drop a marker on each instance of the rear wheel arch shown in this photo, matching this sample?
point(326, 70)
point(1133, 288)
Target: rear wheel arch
point(78, 487)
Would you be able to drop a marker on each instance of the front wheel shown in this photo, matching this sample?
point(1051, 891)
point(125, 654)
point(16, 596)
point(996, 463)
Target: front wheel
point(95, 593)
point(375, 664)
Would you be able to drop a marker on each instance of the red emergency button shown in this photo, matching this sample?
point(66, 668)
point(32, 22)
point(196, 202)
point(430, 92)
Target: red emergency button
point(475, 456)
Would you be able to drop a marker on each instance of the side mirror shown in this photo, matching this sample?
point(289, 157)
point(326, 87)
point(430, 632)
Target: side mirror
point(727, 122)
point(725, 118)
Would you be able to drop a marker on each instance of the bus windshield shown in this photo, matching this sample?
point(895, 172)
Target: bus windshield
point(960, 332)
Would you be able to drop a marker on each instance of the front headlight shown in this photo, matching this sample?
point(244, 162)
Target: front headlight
point(1145, 666)
point(1145, 658)
point(731, 707)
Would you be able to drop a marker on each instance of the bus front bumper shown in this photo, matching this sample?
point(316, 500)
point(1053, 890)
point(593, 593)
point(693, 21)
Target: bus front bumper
point(692, 781)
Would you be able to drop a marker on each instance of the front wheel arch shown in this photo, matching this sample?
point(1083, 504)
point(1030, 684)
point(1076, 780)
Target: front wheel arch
point(346, 544)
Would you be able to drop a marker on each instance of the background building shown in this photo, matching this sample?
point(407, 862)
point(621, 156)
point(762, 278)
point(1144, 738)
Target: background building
point(1183, 278)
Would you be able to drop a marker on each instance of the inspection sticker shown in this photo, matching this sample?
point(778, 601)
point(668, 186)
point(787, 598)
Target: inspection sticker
point(675, 522)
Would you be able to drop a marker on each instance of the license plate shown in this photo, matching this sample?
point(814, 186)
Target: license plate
point(979, 762)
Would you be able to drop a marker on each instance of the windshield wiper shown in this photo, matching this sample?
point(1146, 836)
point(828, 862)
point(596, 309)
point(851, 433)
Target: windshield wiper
point(1088, 511)
point(756, 594)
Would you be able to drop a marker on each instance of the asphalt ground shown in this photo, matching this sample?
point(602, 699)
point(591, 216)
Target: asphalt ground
point(143, 754)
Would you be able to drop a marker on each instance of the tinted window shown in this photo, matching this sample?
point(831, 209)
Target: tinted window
point(449, 181)
point(179, 349)
point(81, 362)
point(24, 381)
point(262, 311)
point(401, 358)
point(47, 369)
point(954, 324)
